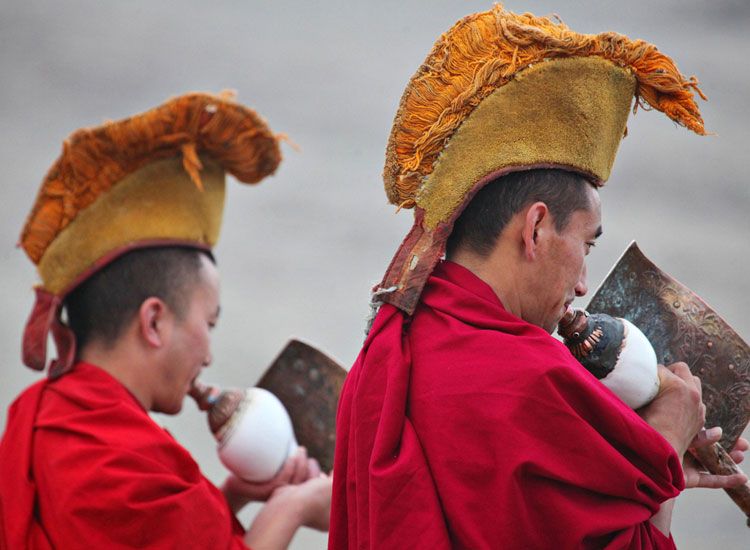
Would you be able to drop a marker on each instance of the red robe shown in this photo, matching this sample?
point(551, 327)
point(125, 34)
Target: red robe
point(84, 466)
point(470, 428)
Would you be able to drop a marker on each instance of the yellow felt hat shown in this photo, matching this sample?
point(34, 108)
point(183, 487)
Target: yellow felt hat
point(501, 92)
point(154, 179)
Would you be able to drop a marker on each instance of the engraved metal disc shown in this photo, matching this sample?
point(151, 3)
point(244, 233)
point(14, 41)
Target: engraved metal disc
point(308, 383)
point(682, 327)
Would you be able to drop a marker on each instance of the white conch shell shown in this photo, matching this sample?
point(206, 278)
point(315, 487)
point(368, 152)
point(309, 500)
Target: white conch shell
point(258, 438)
point(635, 378)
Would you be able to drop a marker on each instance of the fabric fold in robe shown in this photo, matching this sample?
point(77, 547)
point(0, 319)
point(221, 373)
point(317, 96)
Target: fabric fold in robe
point(469, 428)
point(84, 466)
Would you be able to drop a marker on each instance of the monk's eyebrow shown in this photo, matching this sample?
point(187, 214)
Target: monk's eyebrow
point(599, 232)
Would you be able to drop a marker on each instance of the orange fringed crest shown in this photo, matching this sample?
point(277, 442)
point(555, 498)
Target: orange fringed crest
point(484, 51)
point(95, 159)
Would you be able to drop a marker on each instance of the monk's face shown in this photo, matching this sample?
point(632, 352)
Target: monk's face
point(561, 271)
point(189, 346)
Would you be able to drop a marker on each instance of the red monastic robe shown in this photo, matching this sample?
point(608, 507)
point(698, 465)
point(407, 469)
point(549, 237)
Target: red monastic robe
point(82, 465)
point(470, 428)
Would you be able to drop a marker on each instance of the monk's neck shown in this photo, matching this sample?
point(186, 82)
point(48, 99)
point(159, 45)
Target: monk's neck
point(501, 280)
point(122, 366)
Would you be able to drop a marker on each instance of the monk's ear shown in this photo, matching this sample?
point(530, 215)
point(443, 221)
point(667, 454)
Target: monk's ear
point(154, 321)
point(534, 222)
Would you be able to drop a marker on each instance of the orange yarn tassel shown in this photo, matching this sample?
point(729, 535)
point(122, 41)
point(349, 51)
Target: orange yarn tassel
point(192, 164)
point(95, 159)
point(483, 52)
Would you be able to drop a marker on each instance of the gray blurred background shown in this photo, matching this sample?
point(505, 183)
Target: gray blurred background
point(300, 251)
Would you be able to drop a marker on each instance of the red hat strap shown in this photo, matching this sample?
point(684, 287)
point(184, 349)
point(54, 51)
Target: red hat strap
point(45, 318)
point(413, 263)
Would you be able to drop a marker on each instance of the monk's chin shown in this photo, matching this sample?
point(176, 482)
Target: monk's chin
point(168, 408)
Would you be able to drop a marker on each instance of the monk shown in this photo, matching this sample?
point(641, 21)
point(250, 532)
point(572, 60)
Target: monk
point(130, 293)
point(105, 474)
point(464, 423)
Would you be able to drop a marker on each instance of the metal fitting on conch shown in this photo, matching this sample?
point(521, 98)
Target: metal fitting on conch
point(615, 351)
point(220, 405)
point(252, 428)
point(595, 340)
point(573, 323)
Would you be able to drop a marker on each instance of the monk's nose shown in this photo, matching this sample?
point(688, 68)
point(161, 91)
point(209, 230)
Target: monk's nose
point(581, 287)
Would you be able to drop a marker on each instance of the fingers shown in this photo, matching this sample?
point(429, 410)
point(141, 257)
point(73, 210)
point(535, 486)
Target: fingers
point(712, 481)
point(300, 466)
point(287, 471)
point(664, 375)
point(679, 368)
point(313, 468)
point(704, 438)
point(697, 382)
point(738, 452)
point(297, 469)
point(670, 374)
point(696, 476)
point(294, 469)
point(682, 371)
point(304, 467)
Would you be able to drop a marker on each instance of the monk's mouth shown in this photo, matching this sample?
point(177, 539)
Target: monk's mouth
point(193, 383)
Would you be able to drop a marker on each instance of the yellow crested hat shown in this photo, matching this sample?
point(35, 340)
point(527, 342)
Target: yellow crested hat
point(153, 179)
point(499, 93)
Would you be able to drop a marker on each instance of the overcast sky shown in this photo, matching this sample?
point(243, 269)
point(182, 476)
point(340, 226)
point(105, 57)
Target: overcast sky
point(300, 251)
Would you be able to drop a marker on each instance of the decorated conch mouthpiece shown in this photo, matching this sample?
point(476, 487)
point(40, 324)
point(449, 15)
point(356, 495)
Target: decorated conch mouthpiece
point(615, 351)
point(253, 429)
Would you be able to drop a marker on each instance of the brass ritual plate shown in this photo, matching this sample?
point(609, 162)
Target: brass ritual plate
point(682, 327)
point(308, 383)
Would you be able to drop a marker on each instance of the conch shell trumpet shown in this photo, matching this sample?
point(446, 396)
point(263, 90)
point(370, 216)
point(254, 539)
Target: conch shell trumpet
point(252, 428)
point(615, 351)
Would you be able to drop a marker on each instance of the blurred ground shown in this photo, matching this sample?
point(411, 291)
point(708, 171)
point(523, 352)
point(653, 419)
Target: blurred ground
point(300, 252)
